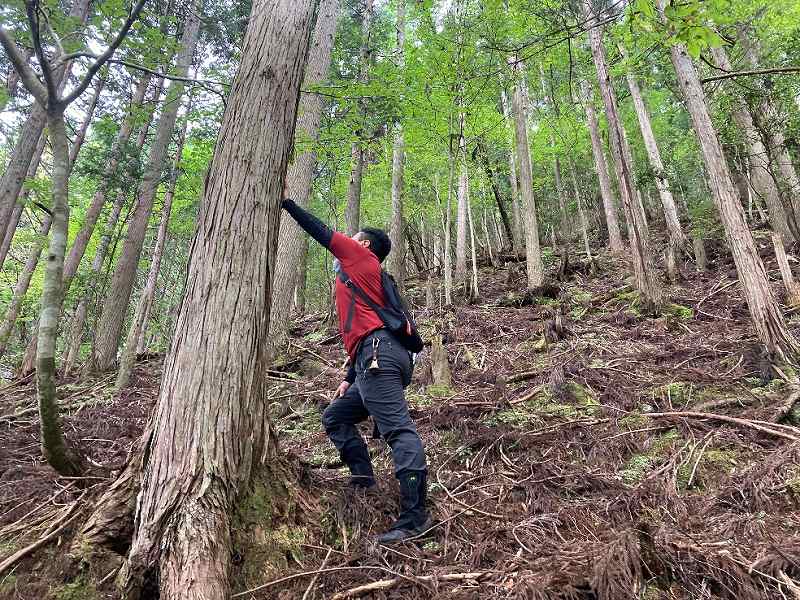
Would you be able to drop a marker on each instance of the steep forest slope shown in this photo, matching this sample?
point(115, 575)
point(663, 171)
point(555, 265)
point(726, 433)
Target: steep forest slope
point(581, 450)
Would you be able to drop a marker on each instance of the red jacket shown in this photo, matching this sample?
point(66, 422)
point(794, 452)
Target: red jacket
point(363, 267)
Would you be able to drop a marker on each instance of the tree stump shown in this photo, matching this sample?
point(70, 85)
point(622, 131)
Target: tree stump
point(440, 366)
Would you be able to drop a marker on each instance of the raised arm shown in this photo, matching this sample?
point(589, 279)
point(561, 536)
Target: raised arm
point(309, 223)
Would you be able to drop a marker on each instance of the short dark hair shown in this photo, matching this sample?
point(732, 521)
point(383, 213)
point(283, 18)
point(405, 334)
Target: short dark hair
point(379, 242)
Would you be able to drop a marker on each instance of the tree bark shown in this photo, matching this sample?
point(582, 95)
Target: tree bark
point(54, 447)
point(138, 326)
point(397, 257)
point(352, 212)
point(609, 204)
point(19, 205)
point(581, 211)
point(760, 177)
point(533, 254)
point(211, 434)
point(461, 212)
point(766, 314)
point(80, 135)
point(674, 227)
point(792, 289)
point(516, 211)
point(474, 293)
point(291, 239)
point(20, 159)
point(699, 253)
point(115, 307)
point(647, 283)
point(772, 124)
point(492, 177)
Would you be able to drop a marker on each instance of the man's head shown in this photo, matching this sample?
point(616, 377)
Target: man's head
point(376, 240)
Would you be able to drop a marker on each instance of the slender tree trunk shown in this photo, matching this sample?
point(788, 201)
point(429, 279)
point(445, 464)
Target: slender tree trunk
point(662, 182)
point(516, 211)
point(20, 159)
point(792, 289)
point(397, 257)
point(609, 204)
point(474, 291)
point(772, 125)
point(54, 447)
point(80, 135)
point(115, 307)
point(461, 213)
point(139, 324)
point(581, 211)
point(448, 236)
point(292, 242)
point(760, 176)
point(352, 212)
point(19, 205)
point(764, 310)
point(211, 413)
point(490, 246)
point(519, 101)
point(492, 177)
point(647, 283)
point(21, 289)
point(23, 283)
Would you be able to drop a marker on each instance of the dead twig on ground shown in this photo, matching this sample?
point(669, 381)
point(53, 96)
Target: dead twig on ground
point(727, 419)
point(385, 584)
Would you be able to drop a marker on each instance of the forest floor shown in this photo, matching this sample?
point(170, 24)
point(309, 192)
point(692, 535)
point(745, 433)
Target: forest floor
point(554, 470)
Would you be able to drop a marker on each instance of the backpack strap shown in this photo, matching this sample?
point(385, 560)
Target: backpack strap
point(345, 279)
point(355, 289)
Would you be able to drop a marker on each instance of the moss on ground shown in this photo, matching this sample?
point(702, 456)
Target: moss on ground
point(678, 311)
point(439, 391)
point(714, 461)
point(639, 465)
point(80, 589)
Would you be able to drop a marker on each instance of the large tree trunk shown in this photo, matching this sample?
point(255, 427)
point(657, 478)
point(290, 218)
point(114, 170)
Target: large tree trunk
point(461, 211)
point(54, 447)
point(647, 283)
point(516, 210)
point(609, 203)
point(291, 239)
point(128, 357)
point(760, 177)
point(764, 310)
point(20, 159)
point(533, 253)
point(210, 435)
point(397, 258)
point(115, 307)
point(674, 228)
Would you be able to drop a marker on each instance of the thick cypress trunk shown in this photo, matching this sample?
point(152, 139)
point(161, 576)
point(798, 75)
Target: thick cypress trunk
point(210, 433)
point(115, 307)
point(662, 182)
point(519, 102)
point(764, 310)
point(647, 283)
point(609, 203)
point(292, 241)
point(760, 177)
point(397, 258)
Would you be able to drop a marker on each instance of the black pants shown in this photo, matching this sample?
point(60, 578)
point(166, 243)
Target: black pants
point(379, 394)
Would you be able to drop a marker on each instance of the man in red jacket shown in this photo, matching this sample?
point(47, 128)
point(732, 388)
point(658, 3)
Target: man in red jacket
point(380, 369)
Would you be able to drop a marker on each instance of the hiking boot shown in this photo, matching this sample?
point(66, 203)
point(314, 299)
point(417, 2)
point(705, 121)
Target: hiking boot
point(413, 519)
point(356, 457)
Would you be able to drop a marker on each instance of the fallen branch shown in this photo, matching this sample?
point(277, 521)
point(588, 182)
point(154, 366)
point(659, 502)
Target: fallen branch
point(60, 526)
point(726, 419)
point(386, 584)
point(523, 376)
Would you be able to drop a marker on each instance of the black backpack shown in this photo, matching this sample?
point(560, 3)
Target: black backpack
point(395, 315)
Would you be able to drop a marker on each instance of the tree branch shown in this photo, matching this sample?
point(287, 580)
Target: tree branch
point(31, 9)
point(23, 69)
point(733, 74)
point(105, 56)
